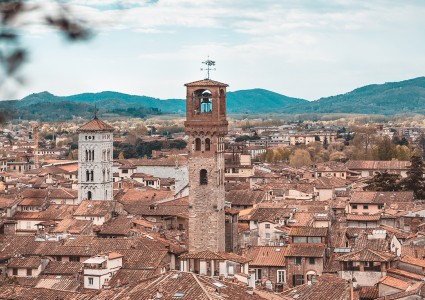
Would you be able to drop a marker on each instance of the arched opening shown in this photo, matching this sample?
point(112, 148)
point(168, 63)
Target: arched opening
point(197, 144)
point(206, 102)
point(87, 175)
point(207, 144)
point(92, 175)
point(92, 155)
point(89, 195)
point(87, 155)
point(203, 177)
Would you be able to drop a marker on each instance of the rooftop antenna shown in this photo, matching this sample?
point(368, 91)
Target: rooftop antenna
point(209, 63)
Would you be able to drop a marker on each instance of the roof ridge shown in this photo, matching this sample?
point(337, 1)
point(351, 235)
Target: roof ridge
point(201, 286)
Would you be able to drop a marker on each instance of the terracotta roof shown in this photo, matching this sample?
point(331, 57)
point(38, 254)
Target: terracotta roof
point(96, 125)
point(308, 231)
point(367, 255)
point(353, 217)
point(413, 261)
point(305, 250)
point(206, 82)
point(209, 255)
point(63, 268)
point(394, 282)
point(266, 256)
point(245, 197)
point(369, 292)
point(404, 274)
point(327, 287)
point(381, 197)
point(377, 165)
point(24, 262)
point(94, 208)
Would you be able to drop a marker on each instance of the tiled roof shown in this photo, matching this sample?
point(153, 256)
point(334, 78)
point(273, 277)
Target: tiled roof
point(413, 261)
point(402, 274)
point(377, 165)
point(94, 208)
point(96, 125)
point(354, 217)
point(369, 292)
point(63, 268)
point(381, 197)
point(394, 282)
point(266, 256)
point(245, 197)
point(305, 250)
point(327, 287)
point(308, 231)
point(24, 262)
point(367, 255)
point(206, 82)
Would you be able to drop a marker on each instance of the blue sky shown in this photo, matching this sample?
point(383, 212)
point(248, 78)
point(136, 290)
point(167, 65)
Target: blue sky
point(300, 48)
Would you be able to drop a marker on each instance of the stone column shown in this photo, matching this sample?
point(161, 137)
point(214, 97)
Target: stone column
point(203, 267)
point(212, 268)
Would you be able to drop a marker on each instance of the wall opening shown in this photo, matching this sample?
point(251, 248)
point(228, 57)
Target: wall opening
point(203, 177)
point(207, 144)
point(197, 144)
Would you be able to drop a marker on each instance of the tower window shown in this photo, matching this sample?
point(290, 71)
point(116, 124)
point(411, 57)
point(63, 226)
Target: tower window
point(207, 144)
point(89, 195)
point(197, 144)
point(203, 177)
point(92, 175)
point(87, 175)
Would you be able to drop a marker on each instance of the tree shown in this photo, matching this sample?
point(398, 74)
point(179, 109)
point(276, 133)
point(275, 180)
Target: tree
point(415, 180)
point(383, 182)
point(300, 158)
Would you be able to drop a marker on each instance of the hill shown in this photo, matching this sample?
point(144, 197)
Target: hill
point(390, 98)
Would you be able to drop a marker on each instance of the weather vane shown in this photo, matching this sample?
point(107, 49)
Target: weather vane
point(210, 64)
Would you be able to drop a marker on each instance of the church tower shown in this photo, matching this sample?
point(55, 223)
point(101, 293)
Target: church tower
point(206, 125)
point(95, 146)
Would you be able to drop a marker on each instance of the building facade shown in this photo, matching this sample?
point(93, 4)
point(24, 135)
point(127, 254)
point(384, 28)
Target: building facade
point(95, 147)
point(206, 125)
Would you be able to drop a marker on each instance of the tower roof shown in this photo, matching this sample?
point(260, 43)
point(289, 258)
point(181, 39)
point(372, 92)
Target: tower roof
point(206, 82)
point(96, 125)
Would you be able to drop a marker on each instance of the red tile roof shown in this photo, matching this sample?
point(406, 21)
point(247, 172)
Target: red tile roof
point(305, 250)
point(96, 125)
point(206, 82)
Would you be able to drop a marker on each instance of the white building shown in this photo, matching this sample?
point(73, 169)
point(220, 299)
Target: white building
point(99, 269)
point(95, 147)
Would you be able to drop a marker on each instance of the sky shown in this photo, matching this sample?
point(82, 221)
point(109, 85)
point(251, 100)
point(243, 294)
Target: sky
point(300, 48)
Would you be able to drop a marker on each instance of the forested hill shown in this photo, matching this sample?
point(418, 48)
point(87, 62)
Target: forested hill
point(390, 98)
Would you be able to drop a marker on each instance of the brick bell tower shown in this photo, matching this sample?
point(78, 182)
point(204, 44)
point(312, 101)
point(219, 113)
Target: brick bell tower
point(206, 125)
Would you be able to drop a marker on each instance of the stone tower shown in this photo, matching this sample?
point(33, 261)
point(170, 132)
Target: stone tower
point(95, 145)
point(206, 125)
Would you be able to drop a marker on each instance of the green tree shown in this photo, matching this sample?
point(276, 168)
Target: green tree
point(415, 180)
point(383, 182)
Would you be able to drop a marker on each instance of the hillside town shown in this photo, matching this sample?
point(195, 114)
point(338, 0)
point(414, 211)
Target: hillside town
point(211, 208)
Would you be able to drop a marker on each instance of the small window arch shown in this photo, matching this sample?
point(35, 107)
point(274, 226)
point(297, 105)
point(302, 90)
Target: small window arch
point(207, 144)
point(197, 144)
point(203, 177)
point(87, 175)
point(92, 155)
point(89, 195)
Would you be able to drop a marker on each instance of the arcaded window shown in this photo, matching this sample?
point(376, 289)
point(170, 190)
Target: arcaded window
point(203, 177)
point(207, 144)
point(197, 144)
point(87, 175)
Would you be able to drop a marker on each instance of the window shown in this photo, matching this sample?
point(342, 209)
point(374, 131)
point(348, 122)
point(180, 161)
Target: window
point(197, 144)
point(354, 206)
point(203, 177)
point(124, 171)
point(15, 271)
point(29, 272)
point(267, 226)
point(268, 236)
point(311, 261)
point(58, 258)
point(207, 144)
point(258, 274)
point(281, 276)
point(298, 260)
point(89, 195)
point(74, 258)
point(380, 206)
point(365, 206)
point(90, 280)
point(297, 280)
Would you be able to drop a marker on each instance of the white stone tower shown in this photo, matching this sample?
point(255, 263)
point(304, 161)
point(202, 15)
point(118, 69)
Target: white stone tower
point(95, 146)
point(206, 125)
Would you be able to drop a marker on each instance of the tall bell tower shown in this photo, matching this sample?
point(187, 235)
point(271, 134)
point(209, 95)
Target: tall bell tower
point(95, 147)
point(206, 125)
